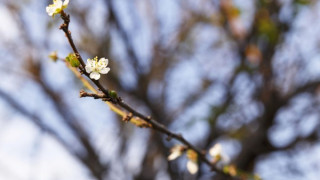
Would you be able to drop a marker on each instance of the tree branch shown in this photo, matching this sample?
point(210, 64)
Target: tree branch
point(118, 101)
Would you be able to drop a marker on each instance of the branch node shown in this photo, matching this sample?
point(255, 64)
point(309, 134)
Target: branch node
point(127, 117)
point(63, 26)
point(83, 93)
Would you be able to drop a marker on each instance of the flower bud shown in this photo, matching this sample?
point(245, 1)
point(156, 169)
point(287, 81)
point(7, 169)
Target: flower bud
point(113, 94)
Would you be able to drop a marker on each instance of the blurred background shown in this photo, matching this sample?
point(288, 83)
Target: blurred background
point(243, 73)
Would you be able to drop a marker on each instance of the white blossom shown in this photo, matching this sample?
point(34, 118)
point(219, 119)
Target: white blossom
point(96, 67)
point(215, 150)
point(174, 155)
point(176, 151)
point(219, 156)
point(56, 7)
point(192, 167)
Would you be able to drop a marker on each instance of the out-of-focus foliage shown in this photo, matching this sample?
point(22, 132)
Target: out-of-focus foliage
point(241, 73)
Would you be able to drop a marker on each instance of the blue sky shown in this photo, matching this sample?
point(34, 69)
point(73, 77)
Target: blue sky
point(28, 153)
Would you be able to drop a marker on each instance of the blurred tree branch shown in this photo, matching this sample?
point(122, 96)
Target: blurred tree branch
point(247, 48)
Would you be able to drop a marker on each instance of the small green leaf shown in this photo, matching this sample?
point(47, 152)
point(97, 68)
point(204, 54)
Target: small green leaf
point(73, 60)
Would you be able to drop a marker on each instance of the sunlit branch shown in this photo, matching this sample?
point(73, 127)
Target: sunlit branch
point(118, 101)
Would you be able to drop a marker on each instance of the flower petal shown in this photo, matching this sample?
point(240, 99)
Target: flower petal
point(104, 70)
point(215, 150)
point(174, 155)
point(89, 62)
point(89, 68)
point(104, 61)
point(65, 4)
point(54, 8)
point(49, 11)
point(192, 167)
point(95, 75)
point(58, 3)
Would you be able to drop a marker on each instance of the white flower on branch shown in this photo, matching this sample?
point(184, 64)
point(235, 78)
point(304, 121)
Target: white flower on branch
point(96, 67)
point(215, 150)
point(176, 151)
point(56, 7)
point(192, 164)
point(218, 155)
point(192, 167)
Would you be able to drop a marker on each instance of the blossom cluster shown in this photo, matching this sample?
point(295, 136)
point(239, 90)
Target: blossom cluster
point(219, 158)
